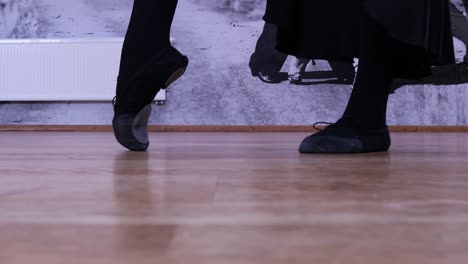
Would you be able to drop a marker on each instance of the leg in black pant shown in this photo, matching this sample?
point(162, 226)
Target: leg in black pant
point(363, 126)
point(148, 63)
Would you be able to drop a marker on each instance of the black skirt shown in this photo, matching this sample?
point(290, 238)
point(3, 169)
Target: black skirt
point(330, 30)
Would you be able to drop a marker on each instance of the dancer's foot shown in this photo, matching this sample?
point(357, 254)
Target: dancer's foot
point(345, 137)
point(131, 130)
point(132, 105)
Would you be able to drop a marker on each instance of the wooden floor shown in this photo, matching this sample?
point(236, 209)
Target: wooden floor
point(236, 198)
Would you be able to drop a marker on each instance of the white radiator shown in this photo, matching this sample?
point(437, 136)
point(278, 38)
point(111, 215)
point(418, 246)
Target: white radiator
point(59, 69)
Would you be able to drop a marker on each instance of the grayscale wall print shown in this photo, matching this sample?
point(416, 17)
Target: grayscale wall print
point(235, 76)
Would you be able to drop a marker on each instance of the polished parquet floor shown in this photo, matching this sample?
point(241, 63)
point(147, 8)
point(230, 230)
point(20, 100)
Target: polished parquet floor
point(240, 198)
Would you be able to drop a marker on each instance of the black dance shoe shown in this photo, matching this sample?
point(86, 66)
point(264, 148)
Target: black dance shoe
point(346, 138)
point(131, 130)
point(132, 105)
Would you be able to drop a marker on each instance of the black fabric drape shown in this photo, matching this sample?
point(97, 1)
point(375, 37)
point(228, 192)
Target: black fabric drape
point(316, 29)
point(421, 23)
point(330, 29)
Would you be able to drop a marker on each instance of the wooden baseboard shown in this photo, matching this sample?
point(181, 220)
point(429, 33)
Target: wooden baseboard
point(106, 128)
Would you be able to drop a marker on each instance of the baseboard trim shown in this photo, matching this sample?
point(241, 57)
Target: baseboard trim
point(155, 128)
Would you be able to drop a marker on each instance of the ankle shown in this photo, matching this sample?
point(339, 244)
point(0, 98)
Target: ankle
point(363, 123)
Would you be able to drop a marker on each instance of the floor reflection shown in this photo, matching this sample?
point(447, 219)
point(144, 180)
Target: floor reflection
point(137, 205)
point(348, 176)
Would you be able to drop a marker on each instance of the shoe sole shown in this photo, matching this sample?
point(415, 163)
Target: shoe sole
point(338, 145)
point(332, 145)
point(140, 126)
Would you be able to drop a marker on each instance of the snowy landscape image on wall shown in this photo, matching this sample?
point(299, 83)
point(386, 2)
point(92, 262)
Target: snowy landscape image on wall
point(219, 37)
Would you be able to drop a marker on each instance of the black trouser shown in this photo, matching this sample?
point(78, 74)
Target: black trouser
point(381, 60)
point(367, 105)
point(147, 35)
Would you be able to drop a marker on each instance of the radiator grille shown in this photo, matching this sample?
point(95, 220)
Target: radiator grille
point(59, 70)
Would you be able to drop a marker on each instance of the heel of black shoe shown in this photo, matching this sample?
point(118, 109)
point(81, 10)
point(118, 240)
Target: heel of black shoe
point(340, 139)
point(380, 142)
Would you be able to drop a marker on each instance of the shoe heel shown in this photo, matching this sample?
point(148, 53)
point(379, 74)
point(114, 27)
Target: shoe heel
point(140, 125)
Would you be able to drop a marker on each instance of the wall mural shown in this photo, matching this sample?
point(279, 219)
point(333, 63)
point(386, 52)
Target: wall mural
point(219, 36)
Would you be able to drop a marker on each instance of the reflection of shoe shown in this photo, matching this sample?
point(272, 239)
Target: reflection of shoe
point(343, 138)
point(132, 105)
